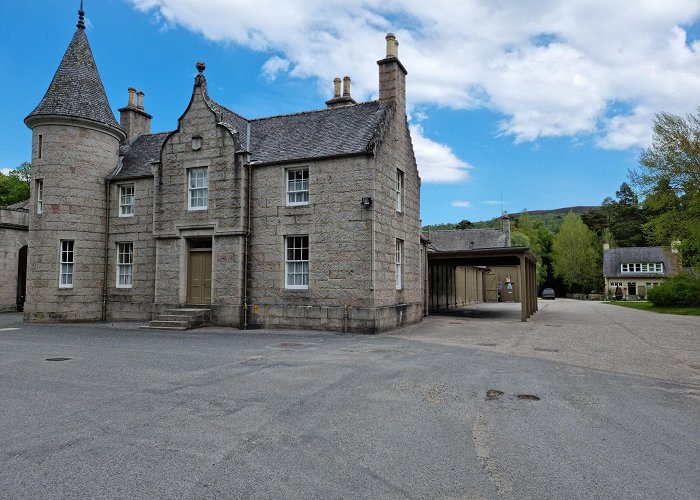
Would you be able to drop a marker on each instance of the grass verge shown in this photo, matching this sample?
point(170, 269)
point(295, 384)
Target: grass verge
point(644, 305)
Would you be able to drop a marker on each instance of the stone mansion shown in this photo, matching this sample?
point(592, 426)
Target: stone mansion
point(303, 220)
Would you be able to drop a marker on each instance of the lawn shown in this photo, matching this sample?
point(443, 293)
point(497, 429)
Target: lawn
point(645, 305)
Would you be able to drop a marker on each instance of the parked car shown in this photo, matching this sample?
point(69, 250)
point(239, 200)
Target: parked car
point(548, 293)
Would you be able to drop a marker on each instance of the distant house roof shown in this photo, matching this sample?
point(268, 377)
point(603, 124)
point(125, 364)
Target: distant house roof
point(614, 257)
point(76, 89)
point(21, 206)
point(285, 138)
point(466, 239)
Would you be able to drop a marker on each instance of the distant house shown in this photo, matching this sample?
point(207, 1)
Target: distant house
point(637, 269)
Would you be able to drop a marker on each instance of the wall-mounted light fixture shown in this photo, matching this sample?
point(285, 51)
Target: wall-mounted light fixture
point(366, 202)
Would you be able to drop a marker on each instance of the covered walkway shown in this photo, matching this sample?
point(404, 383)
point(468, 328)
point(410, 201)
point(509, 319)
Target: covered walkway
point(443, 276)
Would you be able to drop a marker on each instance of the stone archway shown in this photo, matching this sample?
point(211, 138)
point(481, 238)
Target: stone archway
point(21, 277)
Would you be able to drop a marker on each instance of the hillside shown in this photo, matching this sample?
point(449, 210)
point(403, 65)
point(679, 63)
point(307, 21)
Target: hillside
point(552, 219)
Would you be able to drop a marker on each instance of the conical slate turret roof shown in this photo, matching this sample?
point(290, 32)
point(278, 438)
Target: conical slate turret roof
point(76, 89)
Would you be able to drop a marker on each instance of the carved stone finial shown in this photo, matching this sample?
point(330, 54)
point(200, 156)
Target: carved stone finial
point(81, 17)
point(200, 80)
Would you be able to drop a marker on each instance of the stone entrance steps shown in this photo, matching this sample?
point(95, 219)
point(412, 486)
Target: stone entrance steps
point(180, 319)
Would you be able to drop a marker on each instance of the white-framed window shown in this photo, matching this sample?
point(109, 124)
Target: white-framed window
point(125, 264)
point(399, 264)
point(298, 186)
point(65, 279)
point(39, 195)
point(399, 190)
point(615, 284)
point(296, 262)
point(642, 267)
point(126, 200)
point(198, 182)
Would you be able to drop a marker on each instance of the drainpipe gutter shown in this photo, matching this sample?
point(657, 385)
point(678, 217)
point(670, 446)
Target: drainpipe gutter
point(106, 252)
point(246, 250)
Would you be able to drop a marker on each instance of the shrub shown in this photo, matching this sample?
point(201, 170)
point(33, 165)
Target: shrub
point(681, 290)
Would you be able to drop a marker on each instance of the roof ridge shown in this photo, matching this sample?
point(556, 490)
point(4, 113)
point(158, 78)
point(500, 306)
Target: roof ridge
point(300, 113)
point(225, 108)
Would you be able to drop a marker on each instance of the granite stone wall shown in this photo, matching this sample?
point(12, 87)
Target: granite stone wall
point(133, 303)
point(201, 141)
point(13, 236)
point(395, 152)
point(73, 164)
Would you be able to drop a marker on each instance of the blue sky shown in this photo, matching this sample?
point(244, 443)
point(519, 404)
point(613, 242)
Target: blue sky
point(540, 104)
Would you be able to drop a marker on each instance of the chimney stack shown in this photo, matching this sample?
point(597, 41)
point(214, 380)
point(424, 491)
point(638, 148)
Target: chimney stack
point(339, 101)
point(392, 76)
point(506, 228)
point(133, 118)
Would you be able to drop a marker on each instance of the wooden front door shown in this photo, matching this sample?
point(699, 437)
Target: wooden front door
point(199, 276)
point(490, 287)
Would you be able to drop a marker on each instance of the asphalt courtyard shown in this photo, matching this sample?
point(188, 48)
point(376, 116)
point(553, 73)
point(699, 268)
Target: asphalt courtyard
point(586, 400)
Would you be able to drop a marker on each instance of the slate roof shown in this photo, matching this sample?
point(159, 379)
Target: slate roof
point(315, 134)
point(613, 257)
point(138, 155)
point(302, 136)
point(76, 89)
point(466, 239)
point(21, 206)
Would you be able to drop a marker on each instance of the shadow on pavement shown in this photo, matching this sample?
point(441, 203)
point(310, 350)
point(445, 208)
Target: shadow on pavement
point(505, 311)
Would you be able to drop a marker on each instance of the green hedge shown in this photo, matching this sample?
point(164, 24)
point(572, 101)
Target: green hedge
point(681, 290)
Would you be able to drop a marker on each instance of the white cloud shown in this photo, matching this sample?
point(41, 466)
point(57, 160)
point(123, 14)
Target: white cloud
point(551, 67)
point(274, 66)
point(436, 162)
point(5, 170)
point(461, 204)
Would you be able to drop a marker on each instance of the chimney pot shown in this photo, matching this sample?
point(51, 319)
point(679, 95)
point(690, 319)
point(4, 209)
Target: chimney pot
point(392, 45)
point(336, 88)
point(346, 86)
point(139, 100)
point(132, 97)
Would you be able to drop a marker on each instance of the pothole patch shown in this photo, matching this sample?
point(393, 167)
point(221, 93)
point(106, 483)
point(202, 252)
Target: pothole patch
point(554, 326)
point(58, 359)
point(290, 345)
point(528, 397)
point(545, 349)
point(488, 344)
point(494, 394)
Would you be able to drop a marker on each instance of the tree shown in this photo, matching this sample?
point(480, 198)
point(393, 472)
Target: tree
point(574, 254)
point(465, 224)
point(535, 235)
point(14, 187)
point(674, 154)
point(23, 172)
point(670, 177)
